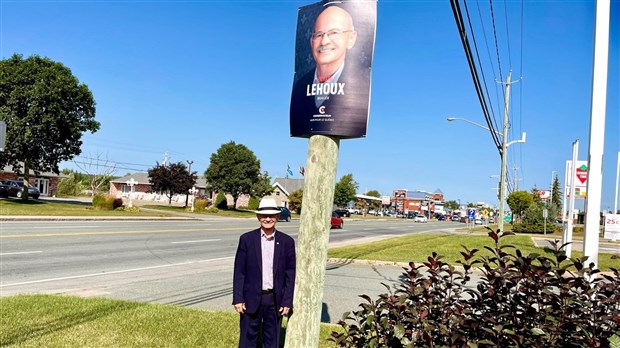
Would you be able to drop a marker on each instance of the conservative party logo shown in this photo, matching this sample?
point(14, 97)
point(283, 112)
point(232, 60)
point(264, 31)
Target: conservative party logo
point(322, 110)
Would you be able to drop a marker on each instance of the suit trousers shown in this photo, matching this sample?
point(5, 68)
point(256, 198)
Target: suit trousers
point(265, 318)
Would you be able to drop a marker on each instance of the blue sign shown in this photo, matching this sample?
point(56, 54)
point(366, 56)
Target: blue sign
point(471, 214)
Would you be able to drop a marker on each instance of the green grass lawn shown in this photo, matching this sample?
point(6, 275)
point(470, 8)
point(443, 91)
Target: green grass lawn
point(67, 321)
point(13, 207)
point(418, 247)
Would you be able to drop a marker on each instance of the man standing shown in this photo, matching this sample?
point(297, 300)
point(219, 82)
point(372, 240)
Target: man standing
point(264, 278)
point(333, 97)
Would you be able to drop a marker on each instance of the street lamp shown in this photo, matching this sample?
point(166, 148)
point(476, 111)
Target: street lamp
point(428, 204)
point(505, 145)
point(131, 183)
point(193, 191)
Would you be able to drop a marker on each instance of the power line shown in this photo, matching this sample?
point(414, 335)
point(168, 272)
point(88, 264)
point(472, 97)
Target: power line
point(115, 162)
point(494, 126)
point(499, 63)
point(507, 34)
point(472, 68)
point(486, 44)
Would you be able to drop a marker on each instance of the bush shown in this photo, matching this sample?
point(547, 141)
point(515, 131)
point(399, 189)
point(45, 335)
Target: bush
point(531, 228)
point(200, 204)
point(106, 202)
point(520, 301)
point(253, 203)
point(69, 186)
point(117, 202)
point(220, 201)
point(212, 210)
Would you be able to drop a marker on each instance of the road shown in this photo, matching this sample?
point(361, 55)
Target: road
point(186, 263)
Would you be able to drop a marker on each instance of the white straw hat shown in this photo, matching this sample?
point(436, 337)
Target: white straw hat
point(267, 206)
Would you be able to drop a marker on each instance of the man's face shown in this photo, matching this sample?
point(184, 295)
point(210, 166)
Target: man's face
point(267, 221)
point(338, 35)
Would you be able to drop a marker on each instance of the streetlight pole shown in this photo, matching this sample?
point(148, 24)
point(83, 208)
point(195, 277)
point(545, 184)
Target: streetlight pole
point(505, 145)
point(502, 188)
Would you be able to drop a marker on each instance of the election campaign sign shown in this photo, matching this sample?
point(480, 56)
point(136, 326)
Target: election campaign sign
point(333, 58)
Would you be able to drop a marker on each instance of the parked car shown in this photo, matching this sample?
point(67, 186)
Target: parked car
point(4, 190)
point(412, 214)
point(285, 214)
point(478, 221)
point(354, 211)
point(16, 188)
point(441, 218)
point(420, 218)
point(337, 221)
point(456, 218)
point(343, 212)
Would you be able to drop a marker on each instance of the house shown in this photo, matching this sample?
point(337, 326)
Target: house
point(283, 187)
point(142, 188)
point(46, 182)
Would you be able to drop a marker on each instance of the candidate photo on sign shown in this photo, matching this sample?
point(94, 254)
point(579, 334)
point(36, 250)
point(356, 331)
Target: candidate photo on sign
point(332, 96)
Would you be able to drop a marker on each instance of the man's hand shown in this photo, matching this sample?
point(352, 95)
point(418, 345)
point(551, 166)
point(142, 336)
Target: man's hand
point(240, 307)
point(284, 310)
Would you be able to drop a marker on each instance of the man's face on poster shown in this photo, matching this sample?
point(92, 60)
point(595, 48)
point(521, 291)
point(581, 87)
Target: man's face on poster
point(333, 35)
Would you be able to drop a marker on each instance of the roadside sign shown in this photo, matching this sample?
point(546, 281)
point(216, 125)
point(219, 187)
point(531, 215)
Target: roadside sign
point(471, 214)
point(581, 179)
point(612, 226)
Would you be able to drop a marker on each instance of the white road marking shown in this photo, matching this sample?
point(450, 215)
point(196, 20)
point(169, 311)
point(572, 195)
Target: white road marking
point(113, 272)
point(197, 241)
point(20, 253)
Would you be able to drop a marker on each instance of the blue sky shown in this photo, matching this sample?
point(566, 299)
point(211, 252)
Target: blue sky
point(184, 77)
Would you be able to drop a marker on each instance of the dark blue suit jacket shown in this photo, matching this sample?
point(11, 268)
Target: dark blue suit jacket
point(248, 273)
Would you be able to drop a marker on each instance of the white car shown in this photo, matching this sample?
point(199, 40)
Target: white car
point(420, 218)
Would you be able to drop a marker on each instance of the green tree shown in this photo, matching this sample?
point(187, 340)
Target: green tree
point(172, 179)
point(519, 201)
point(345, 190)
point(295, 200)
point(451, 205)
point(533, 220)
point(69, 185)
point(262, 187)
point(536, 195)
point(46, 110)
point(556, 198)
point(375, 205)
point(233, 169)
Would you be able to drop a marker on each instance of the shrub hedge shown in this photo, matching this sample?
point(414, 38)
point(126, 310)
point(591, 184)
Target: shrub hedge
point(106, 202)
point(520, 301)
point(220, 201)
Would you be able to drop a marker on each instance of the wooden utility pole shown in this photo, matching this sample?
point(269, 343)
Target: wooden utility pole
point(303, 328)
